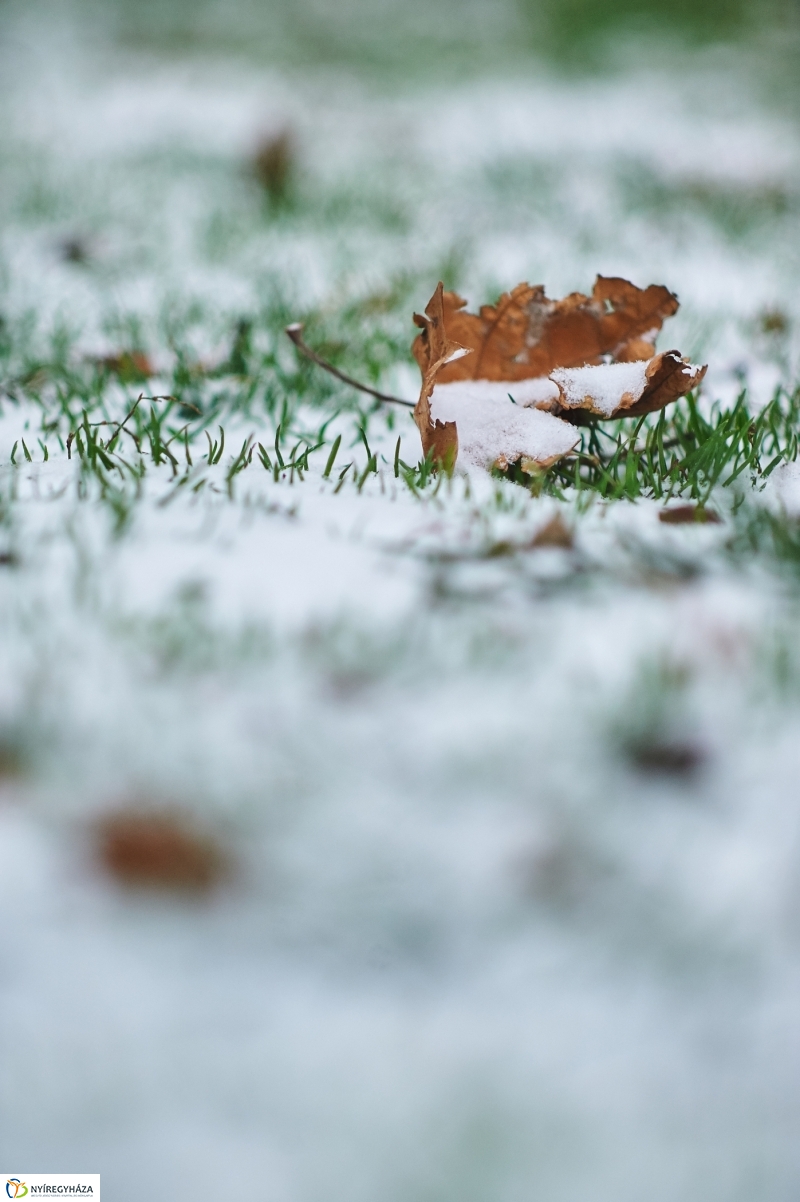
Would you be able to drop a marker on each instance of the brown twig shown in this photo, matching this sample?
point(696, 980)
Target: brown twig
point(295, 332)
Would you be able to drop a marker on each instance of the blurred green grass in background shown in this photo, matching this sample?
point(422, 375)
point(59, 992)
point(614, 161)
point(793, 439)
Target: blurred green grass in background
point(427, 38)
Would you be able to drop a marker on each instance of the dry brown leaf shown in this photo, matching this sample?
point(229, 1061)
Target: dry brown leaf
point(158, 851)
point(577, 358)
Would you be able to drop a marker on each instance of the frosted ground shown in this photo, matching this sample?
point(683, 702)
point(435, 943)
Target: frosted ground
point(473, 948)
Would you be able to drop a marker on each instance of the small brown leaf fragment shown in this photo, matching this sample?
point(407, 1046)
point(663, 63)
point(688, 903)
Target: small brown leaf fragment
point(684, 515)
point(273, 164)
point(74, 249)
point(774, 321)
point(667, 758)
point(555, 533)
point(526, 335)
point(128, 365)
point(438, 438)
point(158, 851)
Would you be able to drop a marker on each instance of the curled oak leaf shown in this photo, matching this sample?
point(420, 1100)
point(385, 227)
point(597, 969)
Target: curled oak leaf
point(439, 438)
point(535, 361)
point(527, 335)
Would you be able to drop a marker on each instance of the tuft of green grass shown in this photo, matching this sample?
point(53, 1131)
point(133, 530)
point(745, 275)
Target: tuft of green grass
point(681, 452)
point(773, 538)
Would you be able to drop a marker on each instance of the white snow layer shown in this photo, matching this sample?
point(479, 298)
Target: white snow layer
point(540, 392)
point(492, 427)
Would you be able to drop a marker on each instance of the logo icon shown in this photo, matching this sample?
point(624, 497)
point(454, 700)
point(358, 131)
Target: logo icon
point(16, 1188)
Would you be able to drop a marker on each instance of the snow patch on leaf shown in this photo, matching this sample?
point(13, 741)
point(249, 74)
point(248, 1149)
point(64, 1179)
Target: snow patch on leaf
point(541, 392)
point(604, 389)
point(493, 430)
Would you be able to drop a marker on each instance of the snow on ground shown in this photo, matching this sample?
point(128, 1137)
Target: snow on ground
point(470, 950)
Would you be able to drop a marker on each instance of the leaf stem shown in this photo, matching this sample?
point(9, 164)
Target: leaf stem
point(295, 332)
